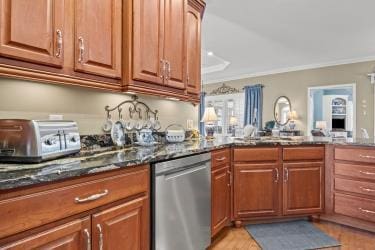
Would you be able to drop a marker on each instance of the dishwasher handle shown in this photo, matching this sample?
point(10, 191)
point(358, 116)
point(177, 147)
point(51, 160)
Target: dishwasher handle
point(185, 171)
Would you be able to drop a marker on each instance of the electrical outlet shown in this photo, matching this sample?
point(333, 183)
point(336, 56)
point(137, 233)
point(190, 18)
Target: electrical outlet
point(55, 117)
point(189, 124)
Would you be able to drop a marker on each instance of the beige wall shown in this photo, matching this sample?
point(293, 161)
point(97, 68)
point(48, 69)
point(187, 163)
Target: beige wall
point(294, 85)
point(29, 100)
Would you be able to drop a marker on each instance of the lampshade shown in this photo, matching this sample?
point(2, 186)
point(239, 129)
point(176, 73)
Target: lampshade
point(292, 115)
point(209, 115)
point(321, 124)
point(233, 120)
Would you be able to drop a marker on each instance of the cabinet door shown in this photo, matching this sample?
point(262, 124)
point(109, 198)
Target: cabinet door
point(74, 235)
point(33, 30)
point(98, 37)
point(220, 186)
point(122, 227)
point(148, 31)
point(193, 55)
point(174, 43)
point(256, 190)
point(303, 188)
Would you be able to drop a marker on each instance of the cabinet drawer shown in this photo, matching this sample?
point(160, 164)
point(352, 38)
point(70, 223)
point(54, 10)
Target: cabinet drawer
point(355, 207)
point(355, 154)
point(255, 154)
point(356, 171)
point(303, 153)
point(359, 187)
point(29, 211)
point(220, 157)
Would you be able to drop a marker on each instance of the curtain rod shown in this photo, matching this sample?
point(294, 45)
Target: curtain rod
point(261, 85)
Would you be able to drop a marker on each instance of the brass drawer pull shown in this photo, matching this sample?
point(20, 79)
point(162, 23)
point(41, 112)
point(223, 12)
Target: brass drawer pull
point(277, 175)
point(168, 67)
point(81, 48)
point(91, 197)
point(59, 43)
point(88, 240)
point(221, 159)
point(366, 173)
point(367, 189)
point(162, 68)
point(230, 178)
point(286, 175)
point(366, 211)
point(367, 156)
point(100, 236)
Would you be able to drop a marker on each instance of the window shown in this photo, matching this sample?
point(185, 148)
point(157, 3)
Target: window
point(230, 111)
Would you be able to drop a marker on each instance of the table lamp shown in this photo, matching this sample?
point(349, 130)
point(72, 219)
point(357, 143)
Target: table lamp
point(292, 118)
point(209, 119)
point(233, 121)
point(322, 125)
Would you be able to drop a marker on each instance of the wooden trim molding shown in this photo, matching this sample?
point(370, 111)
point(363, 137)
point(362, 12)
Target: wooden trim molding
point(49, 77)
point(200, 5)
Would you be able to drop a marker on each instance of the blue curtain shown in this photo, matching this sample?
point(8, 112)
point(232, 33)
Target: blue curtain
point(254, 105)
point(201, 113)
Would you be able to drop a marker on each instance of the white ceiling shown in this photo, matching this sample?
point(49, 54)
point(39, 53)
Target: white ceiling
point(259, 37)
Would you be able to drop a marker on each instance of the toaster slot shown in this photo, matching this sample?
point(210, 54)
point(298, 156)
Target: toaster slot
point(7, 151)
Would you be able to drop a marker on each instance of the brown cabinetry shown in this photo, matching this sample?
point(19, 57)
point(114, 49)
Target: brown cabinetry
point(256, 190)
point(175, 43)
point(98, 39)
point(145, 51)
point(274, 182)
point(302, 191)
point(161, 36)
point(220, 190)
point(122, 227)
point(193, 55)
point(149, 47)
point(74, 235)
point(33, 31)
point(159, 45)
point(350, 193)
point(65, 41)
point(114, 210)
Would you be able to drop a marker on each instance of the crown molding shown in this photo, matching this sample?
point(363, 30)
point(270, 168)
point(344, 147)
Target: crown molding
point(291, 69)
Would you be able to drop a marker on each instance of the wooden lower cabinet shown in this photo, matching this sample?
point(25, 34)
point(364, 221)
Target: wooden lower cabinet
point(276, 182)
point(123, 227)
point(74, 235)
point(221, 188)
point(302, 191)
point(256, 190)
point(116, 218)
point(350, 182)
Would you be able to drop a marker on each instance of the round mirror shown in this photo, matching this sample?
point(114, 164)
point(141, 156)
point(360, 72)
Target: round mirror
point(281, 110)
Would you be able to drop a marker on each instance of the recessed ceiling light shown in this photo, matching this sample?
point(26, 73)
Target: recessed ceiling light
point(210, 53)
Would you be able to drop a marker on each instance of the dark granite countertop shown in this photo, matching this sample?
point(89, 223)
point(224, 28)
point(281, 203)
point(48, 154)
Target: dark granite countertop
point(105, 159)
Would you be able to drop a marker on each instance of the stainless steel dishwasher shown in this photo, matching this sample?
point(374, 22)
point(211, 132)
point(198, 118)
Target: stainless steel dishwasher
point(181, 203)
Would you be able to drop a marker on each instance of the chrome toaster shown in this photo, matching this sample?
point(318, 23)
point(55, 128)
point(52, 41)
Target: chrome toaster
point(37, 140)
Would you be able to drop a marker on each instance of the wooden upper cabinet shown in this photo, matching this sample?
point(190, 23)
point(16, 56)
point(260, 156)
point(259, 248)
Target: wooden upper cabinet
point(193, 55)
point(74, 235)
point(174, 43)
point(124, 227)
point(303, 188)
point(148, 48)
point(33, 31)
point(98, 37)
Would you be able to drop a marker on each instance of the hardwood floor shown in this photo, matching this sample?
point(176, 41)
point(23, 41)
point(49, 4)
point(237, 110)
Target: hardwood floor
point(351, 239)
